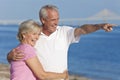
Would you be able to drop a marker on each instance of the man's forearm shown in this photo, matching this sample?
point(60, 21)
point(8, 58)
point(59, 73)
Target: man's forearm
point(89, 28)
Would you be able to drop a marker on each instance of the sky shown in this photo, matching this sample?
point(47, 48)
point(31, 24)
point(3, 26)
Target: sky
point(29, 9)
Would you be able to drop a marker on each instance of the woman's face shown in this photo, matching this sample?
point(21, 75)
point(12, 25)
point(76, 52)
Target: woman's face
point(31, 38)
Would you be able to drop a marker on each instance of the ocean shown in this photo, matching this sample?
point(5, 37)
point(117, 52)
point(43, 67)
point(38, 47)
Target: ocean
point(96, 56)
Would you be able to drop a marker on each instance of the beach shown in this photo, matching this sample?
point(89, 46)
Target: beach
point(5, 75)
point(4, 72)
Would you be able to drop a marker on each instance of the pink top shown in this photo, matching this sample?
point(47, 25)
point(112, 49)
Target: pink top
point(19, 70)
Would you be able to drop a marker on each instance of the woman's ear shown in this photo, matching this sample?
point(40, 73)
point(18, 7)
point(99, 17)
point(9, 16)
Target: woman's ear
point(23, 35)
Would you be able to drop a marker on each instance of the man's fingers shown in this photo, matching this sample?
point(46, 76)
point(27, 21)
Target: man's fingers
point(17, 54)
point(109, 27)
point(18, 57)
point(112, 24)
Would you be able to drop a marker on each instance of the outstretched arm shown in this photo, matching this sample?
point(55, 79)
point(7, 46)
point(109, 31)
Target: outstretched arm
point(89, 28)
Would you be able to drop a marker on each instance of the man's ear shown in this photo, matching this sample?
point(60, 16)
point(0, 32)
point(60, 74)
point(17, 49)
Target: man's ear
point(42, 20)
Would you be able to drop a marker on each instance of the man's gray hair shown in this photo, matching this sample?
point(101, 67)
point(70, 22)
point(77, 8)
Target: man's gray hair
point(43, 10)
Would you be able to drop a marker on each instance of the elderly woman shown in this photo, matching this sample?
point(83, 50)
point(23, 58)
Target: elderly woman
point(29, 68)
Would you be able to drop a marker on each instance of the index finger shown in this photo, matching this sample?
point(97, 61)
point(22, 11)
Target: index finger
point(113, 25)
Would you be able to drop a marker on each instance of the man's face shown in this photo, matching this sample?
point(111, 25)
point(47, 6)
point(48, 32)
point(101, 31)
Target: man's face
point(51, 22)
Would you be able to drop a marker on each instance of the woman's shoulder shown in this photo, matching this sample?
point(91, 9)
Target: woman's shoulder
point(26, 48)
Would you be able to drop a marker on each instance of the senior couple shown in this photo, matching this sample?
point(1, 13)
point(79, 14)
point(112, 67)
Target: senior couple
point(43, 49)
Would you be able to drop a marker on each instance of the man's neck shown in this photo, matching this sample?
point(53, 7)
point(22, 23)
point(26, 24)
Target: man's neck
point(46, 32)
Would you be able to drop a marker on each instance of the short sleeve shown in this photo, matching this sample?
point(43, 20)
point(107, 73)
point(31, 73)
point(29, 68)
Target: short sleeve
point(69, 31)
point(71, 36)
point(28, 50)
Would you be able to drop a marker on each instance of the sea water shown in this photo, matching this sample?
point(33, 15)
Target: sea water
point(97, 55)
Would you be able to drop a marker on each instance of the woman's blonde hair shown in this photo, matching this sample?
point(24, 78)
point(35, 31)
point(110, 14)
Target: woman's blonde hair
point(26, 27)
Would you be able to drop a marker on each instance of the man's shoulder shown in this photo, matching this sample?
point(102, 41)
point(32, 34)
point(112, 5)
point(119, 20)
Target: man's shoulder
point(64, 27)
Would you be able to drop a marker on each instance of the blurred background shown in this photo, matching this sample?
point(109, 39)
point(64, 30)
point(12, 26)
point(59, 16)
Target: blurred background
point(95, 56)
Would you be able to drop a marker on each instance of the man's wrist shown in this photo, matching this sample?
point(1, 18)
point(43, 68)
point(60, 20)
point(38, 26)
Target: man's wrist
point(98, 26)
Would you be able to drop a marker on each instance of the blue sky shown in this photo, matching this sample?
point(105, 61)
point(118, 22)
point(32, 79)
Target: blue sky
point(29, 9)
